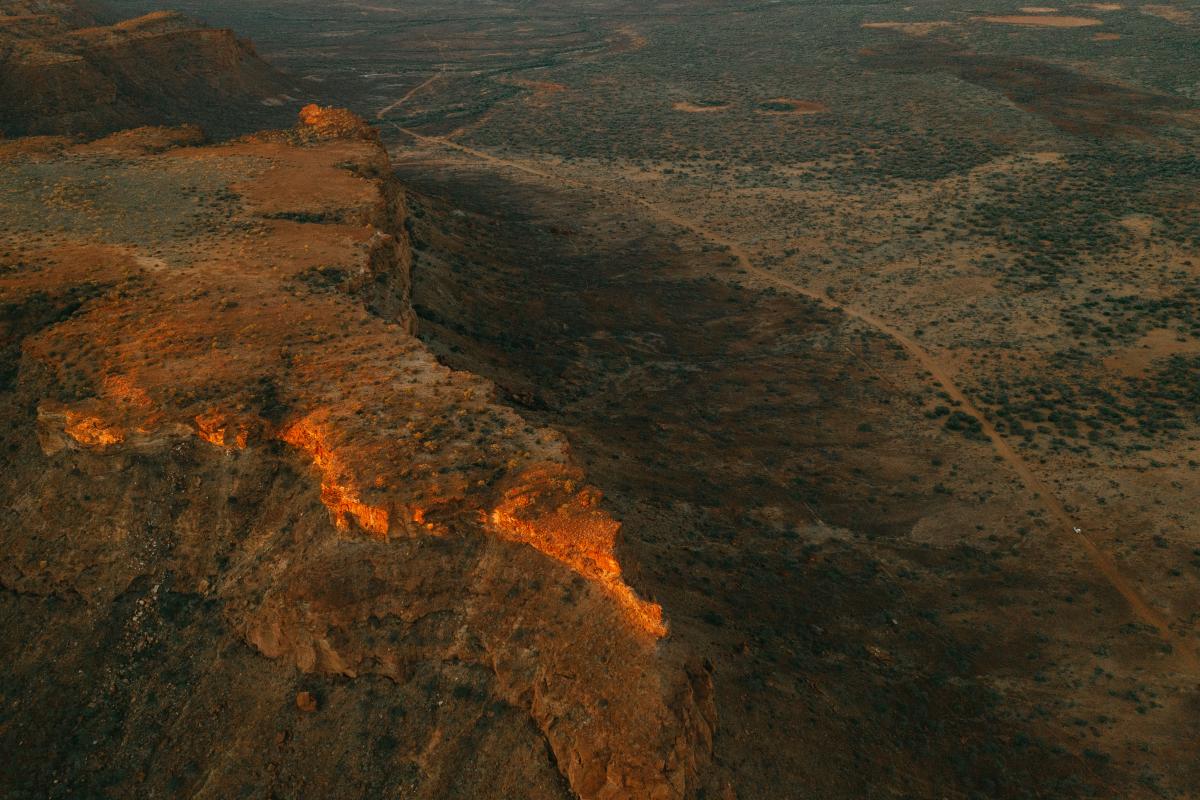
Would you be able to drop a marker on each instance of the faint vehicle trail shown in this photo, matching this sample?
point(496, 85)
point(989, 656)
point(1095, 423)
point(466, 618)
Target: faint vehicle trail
point(942, 373)
point(383, 112)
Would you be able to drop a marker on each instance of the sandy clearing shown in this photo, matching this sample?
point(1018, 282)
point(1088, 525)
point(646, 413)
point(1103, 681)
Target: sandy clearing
point(795, 107)
point(1178, 16)
point(634, 40)
point(695, 108)
point(1141, 225)
point(1037, 21)
point(539, 86)
point(1136, 360)
point(911, 28)
point(1105, 37)
point(1037, 10)
point(540, 92)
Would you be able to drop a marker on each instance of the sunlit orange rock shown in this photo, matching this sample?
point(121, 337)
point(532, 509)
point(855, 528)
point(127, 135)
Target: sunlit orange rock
point(545, 511)
point(338, 492)
point(335, 123)
point(225, 430)
point(122, 388)
point(211, 428)
point(62, 427)
point(91, 431)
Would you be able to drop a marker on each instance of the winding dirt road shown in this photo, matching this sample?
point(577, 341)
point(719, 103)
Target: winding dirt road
point(1184, 651)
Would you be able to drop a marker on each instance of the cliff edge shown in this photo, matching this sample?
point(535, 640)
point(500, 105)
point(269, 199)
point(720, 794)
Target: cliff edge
point(63, 72)
point(257, 539)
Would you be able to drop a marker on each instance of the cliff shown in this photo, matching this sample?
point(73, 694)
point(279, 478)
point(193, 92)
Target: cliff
point(61, 72)
point(256, 538)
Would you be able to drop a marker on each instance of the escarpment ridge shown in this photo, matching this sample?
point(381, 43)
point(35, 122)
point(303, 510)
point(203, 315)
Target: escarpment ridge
point(62, 71)
point(232, 477)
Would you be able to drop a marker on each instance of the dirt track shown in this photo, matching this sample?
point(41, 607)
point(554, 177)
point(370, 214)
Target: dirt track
point(383, 112)
point(942, 373)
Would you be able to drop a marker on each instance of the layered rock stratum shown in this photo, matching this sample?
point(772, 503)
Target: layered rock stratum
point(255, 540)
point(62, 71)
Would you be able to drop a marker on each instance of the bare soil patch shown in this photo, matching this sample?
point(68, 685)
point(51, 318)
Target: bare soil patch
point(630, 40)
point(1040, 21)
point(700, 106)
point(788, 105)
point(540, 92)
point(1178, 16)
point(1105, 37)
point(911, 28)
point(1140, 225)
point(539, 86)
point(1136, 360)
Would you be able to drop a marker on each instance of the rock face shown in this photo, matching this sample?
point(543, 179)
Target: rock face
point(256, 539)
point(63, 73)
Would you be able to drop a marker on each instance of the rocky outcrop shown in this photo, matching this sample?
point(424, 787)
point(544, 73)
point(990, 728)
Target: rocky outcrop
point(233, 418)
point(60, 73)
point(74, 13)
